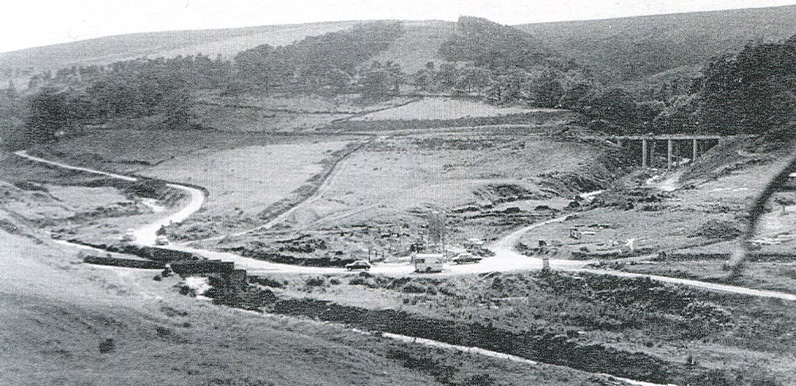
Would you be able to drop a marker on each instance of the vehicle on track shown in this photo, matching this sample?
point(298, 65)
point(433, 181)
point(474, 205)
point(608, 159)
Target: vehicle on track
point(428, 262)
point(359, 264)
point(161, 240)
point(466, 257)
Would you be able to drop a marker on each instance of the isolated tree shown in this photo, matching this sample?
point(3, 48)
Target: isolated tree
point(396, 75)
point(11, 90)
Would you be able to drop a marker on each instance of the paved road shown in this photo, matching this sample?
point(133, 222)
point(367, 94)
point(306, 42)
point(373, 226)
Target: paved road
point(505, 259)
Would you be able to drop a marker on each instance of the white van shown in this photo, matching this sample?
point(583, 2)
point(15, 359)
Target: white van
point(428, 262)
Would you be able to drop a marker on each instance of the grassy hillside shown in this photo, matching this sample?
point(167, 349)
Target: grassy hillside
point(105, 50)
point(418, 45)
point(634, 47)
point(619, 49)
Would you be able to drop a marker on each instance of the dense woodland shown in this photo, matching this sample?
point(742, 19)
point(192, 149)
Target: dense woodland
point(751, 91)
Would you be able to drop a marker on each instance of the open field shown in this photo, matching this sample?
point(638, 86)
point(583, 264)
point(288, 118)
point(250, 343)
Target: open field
point(246, 175)
point(247, 119)
point(130, 150)
point(419, 172)
point(247, 180)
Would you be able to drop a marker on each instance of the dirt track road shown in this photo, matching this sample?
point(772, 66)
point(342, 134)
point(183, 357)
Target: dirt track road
point(146, 234)
point(505, 259)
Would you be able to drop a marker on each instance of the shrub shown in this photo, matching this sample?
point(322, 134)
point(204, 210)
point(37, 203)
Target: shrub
point(238, 382)
point(162, 331)
point(414, 288)
point(717, 229)
point(107, 346)
point(708, 312)
point(30, 186)
point(480, 380)
point(267, 281)
point(448, 290)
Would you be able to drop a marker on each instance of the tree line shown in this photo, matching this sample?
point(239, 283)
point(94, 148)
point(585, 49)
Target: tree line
point(748, 92)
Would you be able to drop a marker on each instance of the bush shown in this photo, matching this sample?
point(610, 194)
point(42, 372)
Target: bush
point(448, 290)
point(107, 346)
point(709, 312)
point(414, 288)
point(30, 186)
point(162, 331)
point(315, 282)
point(748, 377)
point(267, 281)
point(718, 229)
point(251, 298)
point(480, 380)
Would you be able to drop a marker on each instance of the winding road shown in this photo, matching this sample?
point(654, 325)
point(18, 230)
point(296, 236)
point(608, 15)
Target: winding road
point(505, 259)
point(146, 234)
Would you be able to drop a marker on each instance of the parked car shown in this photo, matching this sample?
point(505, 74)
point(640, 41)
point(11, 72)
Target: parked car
point(466, 257)
point(359, 264)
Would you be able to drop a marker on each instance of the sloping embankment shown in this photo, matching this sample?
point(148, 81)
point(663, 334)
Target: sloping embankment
point(539, 345)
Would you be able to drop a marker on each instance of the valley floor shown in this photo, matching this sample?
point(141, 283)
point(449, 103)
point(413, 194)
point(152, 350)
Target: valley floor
point(77, 323)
